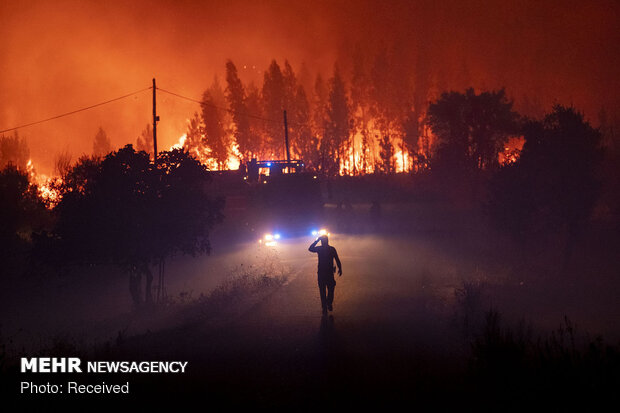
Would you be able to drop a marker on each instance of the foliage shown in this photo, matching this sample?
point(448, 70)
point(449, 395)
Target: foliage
point(335, 141)
point(509, 363)
point(214, 121)
point(273, 103)
point(14, 150)
point(236, 98)
point(471, 128)
point(553, 186)
point(386, 155)
point(20, 205)
point(124, 210)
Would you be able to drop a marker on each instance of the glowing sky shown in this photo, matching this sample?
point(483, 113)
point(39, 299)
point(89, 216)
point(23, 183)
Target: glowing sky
point(57, 56)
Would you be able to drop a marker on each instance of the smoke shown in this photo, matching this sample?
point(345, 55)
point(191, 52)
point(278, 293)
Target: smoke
point(60, 56)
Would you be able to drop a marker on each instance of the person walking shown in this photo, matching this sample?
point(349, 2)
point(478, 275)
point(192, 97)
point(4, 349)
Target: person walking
point(326, 254)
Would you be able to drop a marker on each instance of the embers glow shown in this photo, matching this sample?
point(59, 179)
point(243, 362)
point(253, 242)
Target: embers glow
point(46, 186)
point(512, 151)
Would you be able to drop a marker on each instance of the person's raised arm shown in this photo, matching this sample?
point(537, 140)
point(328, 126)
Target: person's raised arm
point(313, 246)
point(338, 262)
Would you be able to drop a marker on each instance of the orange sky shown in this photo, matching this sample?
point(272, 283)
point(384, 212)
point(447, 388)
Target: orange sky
point(57, 56)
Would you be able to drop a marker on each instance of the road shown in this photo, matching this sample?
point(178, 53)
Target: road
point(390, 329)
point(395, 335)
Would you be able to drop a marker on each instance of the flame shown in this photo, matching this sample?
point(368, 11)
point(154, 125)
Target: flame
point(48, 190)
point(401, 160)
point(512, 151)
point(233, 161)
point(180, 143)
point(46, 186)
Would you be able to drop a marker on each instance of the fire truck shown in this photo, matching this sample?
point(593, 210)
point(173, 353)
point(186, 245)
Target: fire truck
point(271, 195)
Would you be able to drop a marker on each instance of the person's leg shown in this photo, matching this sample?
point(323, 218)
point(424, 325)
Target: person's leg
point(322, 287)
point(330, 295)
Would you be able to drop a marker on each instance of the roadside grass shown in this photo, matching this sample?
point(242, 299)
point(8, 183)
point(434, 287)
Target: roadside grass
point(509, 364)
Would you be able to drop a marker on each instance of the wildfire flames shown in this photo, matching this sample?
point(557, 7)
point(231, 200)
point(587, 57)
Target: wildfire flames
point(47, 186)
point(233, 162)
point(512, 150)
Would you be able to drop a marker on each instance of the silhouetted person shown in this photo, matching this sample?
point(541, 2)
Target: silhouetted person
point(327, 283)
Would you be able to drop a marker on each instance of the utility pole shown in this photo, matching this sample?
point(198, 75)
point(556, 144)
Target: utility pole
point(161, 292)
point(155, 120)
point(288, 153)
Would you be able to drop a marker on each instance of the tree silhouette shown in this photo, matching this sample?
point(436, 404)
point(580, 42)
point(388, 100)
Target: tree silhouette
point(123, 210)
point(14, 150)
point(257, 127)
point(236, 98)
point(411, 138)
point(305, 144)
point(214, 120)
point(553, 186)
point(273, 94)
point(21, 208)
point(101, 144)
point(389, 96)
point(360, 107)
point(319, 120)
point(471, 128)
point(386, 155)
point(194, 137)
point(336, 138)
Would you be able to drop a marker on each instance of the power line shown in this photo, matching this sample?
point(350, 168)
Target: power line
point(76, 111)
point(202, 102)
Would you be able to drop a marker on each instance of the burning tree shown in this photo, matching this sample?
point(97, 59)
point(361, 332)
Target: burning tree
point(21, 208)
point(216, 136)
point(273, 99)
point(340, 130)
point(360, 109)
point(335, 142)
point(472, 129)
point(305, 143)
point(236, 98)
point(386, 155)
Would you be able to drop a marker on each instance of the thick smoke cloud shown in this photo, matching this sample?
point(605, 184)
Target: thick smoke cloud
point(63, 55)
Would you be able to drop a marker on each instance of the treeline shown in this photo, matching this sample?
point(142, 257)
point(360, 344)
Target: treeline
point(375, 119)
point(121, 209)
